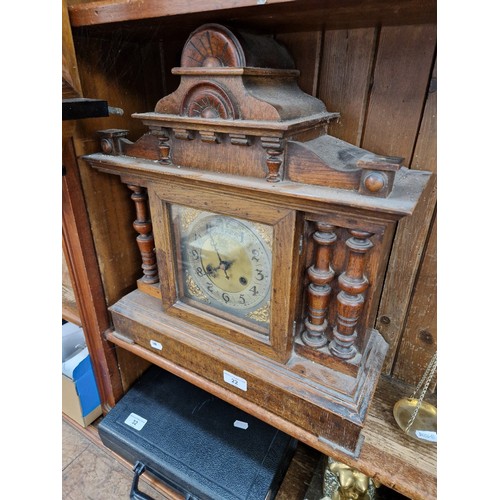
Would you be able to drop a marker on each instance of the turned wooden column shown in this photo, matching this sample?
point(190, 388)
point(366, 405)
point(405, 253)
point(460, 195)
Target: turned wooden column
point(164, 150)
point(350, 300)
point(274, 159)
point(145, 240)
point(319, 290)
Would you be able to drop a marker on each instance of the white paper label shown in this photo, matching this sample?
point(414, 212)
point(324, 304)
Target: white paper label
point(241, 425)
point(427, 435)
point(234, 380)
point(136, 421)
point(156, 345)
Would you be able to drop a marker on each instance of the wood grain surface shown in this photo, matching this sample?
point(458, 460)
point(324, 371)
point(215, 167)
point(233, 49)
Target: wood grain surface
point(346, 70)
point(408, 249)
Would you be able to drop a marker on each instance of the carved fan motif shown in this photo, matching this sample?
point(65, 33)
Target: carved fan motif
point(212, 46)
point(208, 100)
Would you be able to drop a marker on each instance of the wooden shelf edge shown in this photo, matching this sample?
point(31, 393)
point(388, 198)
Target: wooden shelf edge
point(105, 11)
point(298, 12)
point(71, 317)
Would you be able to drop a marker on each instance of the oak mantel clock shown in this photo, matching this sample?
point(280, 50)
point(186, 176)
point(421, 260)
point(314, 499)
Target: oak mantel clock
point(264, 240)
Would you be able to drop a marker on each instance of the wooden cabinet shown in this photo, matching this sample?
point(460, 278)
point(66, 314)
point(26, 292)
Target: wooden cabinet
point(372, 63)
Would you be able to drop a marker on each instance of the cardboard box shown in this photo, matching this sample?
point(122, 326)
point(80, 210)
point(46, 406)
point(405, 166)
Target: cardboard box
point(80, 397)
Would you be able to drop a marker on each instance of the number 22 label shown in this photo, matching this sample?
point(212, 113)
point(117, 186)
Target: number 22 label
point(235, 381)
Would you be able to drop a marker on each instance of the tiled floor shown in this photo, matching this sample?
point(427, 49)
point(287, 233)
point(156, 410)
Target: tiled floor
point(90, 473)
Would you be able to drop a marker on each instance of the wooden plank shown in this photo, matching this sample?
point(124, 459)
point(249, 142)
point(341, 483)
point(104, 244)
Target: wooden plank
point(289, 15)
point(305, 49)
point(69, 315)
point(112, 213)
point(82, 264)
point(419, 339)
point(118, 72)
point(71, 79)
point(69, 305)
point(132, 367)
point(129, 76)
point(425, 154)
point(98, 12)
point(158, 57)
point(346, 67)
point(403, 64)
point(410, 237)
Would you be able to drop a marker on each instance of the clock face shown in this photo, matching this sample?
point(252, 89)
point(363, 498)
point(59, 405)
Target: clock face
point(225, 264)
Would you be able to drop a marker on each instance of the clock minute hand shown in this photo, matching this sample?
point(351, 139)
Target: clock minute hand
point(215, 246)
point(222, 264)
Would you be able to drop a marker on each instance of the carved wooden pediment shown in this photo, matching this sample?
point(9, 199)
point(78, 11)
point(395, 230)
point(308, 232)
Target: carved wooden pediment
point(239, 90)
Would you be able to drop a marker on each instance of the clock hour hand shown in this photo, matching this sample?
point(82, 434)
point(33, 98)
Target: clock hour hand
point(223, 264)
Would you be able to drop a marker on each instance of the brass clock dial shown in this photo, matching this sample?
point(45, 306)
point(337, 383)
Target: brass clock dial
point(226, 263)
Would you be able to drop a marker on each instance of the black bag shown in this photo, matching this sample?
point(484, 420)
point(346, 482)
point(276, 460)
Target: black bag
point(195, 443)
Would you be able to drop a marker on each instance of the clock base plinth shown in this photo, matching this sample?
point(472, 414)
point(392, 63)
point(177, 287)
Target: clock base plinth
point(321, 407)
point(324, 357)
point(152, 289)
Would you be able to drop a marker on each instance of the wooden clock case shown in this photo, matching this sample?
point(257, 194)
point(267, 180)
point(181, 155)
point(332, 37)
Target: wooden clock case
point(239, 138)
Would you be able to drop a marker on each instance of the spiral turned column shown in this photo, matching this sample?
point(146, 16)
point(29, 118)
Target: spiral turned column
point(319, 290)
point(350, 300)
point(145, 240)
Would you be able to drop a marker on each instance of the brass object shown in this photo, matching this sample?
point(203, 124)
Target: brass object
point(266, 233)
point(195, 291)
point(417, 418)
point(261, 314)
point(188, 215)
point(424, 426)
point(341, 482)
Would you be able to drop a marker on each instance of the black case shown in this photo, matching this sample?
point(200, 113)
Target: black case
point(190, 441)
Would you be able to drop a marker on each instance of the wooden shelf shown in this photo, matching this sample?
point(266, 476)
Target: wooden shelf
point(285, 15)
point(388, 455)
